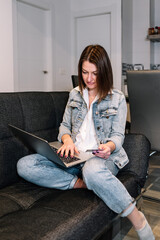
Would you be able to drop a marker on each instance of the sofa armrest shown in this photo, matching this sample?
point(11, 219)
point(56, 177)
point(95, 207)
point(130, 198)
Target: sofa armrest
point(137, 147)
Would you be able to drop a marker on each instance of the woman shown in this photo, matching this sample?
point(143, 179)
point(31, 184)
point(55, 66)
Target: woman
point(94, 118)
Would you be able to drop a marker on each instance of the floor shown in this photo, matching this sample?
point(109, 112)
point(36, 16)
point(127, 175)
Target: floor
point(150, 203)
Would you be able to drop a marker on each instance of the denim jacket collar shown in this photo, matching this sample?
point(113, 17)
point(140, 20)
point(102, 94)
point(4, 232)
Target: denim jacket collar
point(105, 99)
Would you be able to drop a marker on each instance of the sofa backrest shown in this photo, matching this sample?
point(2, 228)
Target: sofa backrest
point(36, 112)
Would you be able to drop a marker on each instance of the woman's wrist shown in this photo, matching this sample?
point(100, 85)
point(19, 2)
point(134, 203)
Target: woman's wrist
point(111, 145)
point(66, 138)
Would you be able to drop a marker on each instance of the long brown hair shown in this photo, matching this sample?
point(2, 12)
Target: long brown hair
point(98, 56)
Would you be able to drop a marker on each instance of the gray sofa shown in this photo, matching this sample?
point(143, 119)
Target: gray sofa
point(29, 212)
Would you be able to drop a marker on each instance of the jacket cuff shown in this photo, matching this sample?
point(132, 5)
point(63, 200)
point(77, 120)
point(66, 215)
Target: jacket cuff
point(61, 133)
point(117, 141)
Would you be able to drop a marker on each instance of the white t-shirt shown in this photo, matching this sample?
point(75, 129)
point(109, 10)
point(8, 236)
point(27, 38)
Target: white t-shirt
point(86, 138)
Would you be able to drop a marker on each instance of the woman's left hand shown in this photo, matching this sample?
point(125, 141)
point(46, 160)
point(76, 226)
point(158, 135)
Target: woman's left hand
point(105, 150)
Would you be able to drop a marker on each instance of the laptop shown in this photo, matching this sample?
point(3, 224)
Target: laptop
point(49, 150)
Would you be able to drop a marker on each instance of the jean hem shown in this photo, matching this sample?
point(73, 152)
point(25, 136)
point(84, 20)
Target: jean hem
point(73, 182)
point(129, 210)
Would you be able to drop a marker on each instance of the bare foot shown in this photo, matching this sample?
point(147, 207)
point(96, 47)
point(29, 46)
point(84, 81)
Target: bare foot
point(79, 184)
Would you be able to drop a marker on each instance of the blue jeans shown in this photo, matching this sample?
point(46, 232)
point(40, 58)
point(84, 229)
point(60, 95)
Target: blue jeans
point(97, 173)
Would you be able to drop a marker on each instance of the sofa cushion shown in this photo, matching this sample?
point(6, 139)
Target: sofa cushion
point(10, 151)
point(7, 206)
point(10, 112)
point(36, 112)
point(71, 215)
point(53, 214)
point(25, 194)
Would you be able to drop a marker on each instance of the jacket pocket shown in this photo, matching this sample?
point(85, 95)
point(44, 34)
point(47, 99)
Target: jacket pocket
point(106, 119)
point(108, 112)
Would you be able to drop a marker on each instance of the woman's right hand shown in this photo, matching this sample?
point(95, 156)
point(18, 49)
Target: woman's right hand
point(68, 146)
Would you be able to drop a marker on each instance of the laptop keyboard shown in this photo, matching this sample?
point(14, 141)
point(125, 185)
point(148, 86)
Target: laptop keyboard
point(64, 159)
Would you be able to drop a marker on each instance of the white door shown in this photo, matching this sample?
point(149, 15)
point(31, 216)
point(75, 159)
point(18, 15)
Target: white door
point(93, 30)
point(33, 59)
point(99, 26)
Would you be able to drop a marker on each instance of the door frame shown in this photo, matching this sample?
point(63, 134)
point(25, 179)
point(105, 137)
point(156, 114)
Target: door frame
point(44, 5)
point(116, 48)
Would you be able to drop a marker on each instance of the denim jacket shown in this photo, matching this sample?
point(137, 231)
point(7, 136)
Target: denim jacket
point(109, 117)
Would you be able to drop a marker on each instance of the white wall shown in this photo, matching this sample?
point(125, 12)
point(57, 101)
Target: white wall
point(127, 32)
point(155, 21)
point(62, 45)
point(136, 20)
point(6, 46)
point(141, 46)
